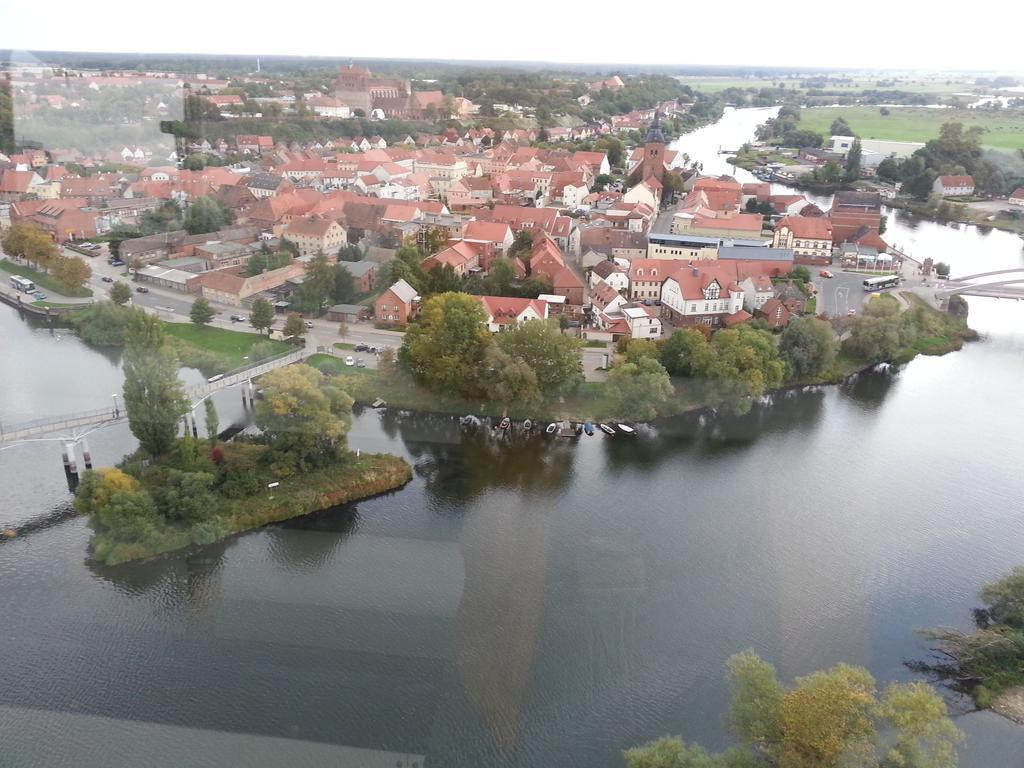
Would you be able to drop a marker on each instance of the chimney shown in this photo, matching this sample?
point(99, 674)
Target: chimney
point(695, 271)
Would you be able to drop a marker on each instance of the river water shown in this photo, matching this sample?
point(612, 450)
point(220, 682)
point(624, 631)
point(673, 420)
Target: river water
point(529, 602)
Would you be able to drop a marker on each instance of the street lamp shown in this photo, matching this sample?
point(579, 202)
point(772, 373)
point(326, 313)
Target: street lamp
point(117, 412)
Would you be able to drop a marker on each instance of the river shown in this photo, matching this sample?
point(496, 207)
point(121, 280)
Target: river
point(525, 602)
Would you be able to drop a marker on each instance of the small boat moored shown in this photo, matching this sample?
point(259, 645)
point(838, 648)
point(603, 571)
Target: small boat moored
point(528, 425)
point(626, 429)
point(551, 428)
point(606, 429)
point(505, 423)
point(588, 428)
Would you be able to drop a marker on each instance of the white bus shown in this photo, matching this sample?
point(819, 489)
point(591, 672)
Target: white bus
point(23, 284)
point(877, 283)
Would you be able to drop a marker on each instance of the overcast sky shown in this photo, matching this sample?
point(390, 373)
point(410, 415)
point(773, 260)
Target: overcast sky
point(884, 34)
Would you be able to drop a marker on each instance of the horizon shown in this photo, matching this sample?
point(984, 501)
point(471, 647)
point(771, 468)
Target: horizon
point(432, 36)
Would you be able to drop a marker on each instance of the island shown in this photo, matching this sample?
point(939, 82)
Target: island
point(178, 492)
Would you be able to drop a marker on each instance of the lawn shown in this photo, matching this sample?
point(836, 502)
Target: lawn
point(45, 282)
point(343, 345)
point(231, 347)
point(1004, 130)
point(936, 86)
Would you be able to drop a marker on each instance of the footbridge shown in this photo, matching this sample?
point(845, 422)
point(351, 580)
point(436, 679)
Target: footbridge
point(72, 427)
point(998, 283)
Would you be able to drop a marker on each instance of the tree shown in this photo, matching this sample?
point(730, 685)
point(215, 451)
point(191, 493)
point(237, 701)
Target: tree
point(756, 696)
point(1004, 600)
point(294, 328)
point(553, 357)
point(387, 363)
point(30, 243)
point(684, 352)
point(204, 215)
point(304, 416)
point(443, 279)
point(445, 350)
point(877, 333)
point(120, 293)
point(509, 379)
point(840, 127)
point(853, 158)
point(71, 272)
point(826, 719)
point(808, 345)
point(261, 317)
point(350, 252)
point(212, 422)
point(639, 389)
point(153, 396)
point(522, 244)
point(318, 285)
point(925, 736)
point(201, 313)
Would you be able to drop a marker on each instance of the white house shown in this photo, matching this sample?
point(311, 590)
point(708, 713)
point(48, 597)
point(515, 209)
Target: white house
point(696, 296)
point(1017, 197)
point(504, 311)
point(756, 291)
point(954, 186)
point(643, 322)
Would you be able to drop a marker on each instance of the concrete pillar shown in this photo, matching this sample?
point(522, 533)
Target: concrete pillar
point(86, 454)
point(67, 461)
point(184, 421)
point(73, 459)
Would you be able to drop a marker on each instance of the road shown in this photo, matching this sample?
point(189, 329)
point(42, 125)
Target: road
point(174, 307)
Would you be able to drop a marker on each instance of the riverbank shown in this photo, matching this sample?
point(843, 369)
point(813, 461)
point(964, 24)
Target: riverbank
point(960, 213)
point(941, 335)
point(354, 478)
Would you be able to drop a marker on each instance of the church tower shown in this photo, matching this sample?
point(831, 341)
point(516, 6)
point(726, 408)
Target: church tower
point(654, 152)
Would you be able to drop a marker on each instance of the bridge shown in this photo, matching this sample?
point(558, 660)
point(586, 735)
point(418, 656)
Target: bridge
point(967, 285)
point(73, 426)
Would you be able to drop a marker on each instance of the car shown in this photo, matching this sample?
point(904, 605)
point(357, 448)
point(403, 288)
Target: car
point(116, 263)
point(40, 296)
point(238, 318)
point(107, 279)
point(350, 360)
point(851, 312)
point(360, 363)
point(309, 323)
point(361, 347)
point(141, 289)
point(826, 273)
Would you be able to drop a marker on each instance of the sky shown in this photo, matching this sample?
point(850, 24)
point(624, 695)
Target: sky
point(882, 34)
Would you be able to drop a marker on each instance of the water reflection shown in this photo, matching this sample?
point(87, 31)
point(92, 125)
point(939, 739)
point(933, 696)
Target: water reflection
point(870, 388)
point(309, 543)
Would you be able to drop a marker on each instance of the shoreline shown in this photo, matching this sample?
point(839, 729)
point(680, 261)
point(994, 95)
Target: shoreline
point(305, 494)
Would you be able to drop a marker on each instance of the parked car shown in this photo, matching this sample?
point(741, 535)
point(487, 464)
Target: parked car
point(238, 318)
point(360, 363)
point(115, 262)
point(851, 312)
point(107, 279)
point(350, 360)
point(826, 273)
point(40, 296)
point(309, 323)
point(141, 289)
point(361, 347)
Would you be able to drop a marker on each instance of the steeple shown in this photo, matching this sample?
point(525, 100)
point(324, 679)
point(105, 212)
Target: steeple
point(654, 134)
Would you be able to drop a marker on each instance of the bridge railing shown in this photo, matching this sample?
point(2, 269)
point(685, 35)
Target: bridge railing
point(55, 423)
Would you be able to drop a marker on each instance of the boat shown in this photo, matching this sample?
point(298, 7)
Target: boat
point(469, 420)
point(588, 428)
point(505, 423)
point(577, 429)
point(626, 429)
point(527, 425)
point(606, 429)
point(551, 428)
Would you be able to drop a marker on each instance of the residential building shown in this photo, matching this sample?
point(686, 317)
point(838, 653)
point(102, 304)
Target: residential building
point(1017, 197)
point(504, 311)
point(704, 294)
point(229, 286)
point(646, 277)
point(315, 233)
point(810, 238)
point(954, 186)
point(397, 304)
point(462, 256)
point(643, 322)
point(363, 273)
point(774, 312)
point(611, 272)
point(329, 106)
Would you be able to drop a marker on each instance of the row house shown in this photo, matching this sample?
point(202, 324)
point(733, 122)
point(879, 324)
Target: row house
point(469, 192)
point(646, 277)
point(611, 272)
point(315, 233)
point(250, 144)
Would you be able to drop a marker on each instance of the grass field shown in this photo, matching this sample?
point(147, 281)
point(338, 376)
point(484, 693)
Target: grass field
point(232, 347)
point(1003, 130)
point(45, 282)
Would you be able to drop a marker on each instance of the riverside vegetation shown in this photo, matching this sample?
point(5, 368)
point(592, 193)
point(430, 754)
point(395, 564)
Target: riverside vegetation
point(176, 492)
point(450, 362)
point(828, 719)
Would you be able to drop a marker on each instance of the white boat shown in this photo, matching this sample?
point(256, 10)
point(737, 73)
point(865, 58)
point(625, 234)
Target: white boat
point(528, 425)
point(626, 429)
point(606, 429)
point(551, 428)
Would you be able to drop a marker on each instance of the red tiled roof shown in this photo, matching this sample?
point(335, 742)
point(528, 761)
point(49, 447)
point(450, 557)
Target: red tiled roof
point(813, 227)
